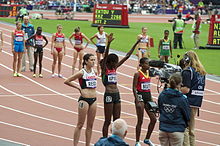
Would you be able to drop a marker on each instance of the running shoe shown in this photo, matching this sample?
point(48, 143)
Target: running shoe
point(40, 76)
point(19, 75)
point(147, 141)
point(60, 76)
point(53, 75)
point(15, 74)
point(138, 144)
point(34, 75)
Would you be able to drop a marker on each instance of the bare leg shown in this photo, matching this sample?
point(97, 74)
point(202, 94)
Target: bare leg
point(90, 120)
point(55, 54)
point(140, 114)
point(82, 110)
point(108, 110)
point(81, 54)
point(75, 56)
point(15, 55)
point(20, 54)
point(60, 58)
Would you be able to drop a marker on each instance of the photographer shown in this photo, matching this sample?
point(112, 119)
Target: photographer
point(142, 94)
point(193, 87)
point(174, 113)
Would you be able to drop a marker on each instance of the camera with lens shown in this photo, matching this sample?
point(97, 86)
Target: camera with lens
point(163, 70)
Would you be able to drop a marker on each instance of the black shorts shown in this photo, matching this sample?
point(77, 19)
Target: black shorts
point(100, 49)
point(144, 97)
point(90, 101)
point(38, 50)
point(112, 98)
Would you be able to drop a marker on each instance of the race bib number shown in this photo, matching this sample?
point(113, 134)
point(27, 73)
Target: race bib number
point(112, 78)
point(140, 98)
point(25, 36)
point(19, 39)
point(78, 42)
point(166, 47)
point(39, 43)
point(59, 39)
point(91, 83)
point(145, 86)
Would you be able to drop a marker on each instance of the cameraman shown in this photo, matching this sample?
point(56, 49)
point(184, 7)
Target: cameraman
point(193, 87)
point(174, 113)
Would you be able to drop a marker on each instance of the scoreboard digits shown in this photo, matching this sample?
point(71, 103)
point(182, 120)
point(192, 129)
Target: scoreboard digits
point(110, 15)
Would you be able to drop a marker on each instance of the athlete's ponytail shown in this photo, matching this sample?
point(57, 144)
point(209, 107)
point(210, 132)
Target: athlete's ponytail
point(175, 80)
point(86, 58)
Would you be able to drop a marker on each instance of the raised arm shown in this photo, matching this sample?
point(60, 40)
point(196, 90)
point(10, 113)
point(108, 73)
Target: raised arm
point(69, 80)
point(128, 54)
point(110, 39)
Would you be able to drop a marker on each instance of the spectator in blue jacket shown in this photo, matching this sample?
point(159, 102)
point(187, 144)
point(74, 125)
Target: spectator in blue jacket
point(29, 31)
point(174, 113)
point(119, 131)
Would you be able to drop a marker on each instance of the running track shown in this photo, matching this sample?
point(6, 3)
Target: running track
point(43, 112)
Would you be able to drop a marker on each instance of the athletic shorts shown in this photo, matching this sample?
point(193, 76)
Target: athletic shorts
point(112, 98)
point(90, 101)
point(59, 49)
point(19, 47)
point(78, 49)
point(144, 97)
point(38, 50)
point(100, 49)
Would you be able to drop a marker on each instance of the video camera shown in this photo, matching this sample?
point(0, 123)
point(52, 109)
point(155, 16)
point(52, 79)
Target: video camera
point(163, 70)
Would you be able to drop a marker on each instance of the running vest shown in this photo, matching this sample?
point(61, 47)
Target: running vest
point(179, 26)
point(38, 40)
point(143, 84)
point(88, 80)
point(196, 92)
point(165, 46)
point(78, 39)
point(59, 38)
point(101, 39)
point(110, 77)
point(18, 36)
point(144, 39)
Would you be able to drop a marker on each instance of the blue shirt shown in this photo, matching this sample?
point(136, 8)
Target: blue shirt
point(112, 140)
point(174, 111)
point(29, 31)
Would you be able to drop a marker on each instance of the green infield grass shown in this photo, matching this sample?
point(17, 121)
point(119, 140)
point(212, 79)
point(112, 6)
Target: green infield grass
point(126, 37)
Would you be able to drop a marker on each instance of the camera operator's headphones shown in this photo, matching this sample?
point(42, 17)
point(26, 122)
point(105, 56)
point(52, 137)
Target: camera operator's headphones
point(186, 58)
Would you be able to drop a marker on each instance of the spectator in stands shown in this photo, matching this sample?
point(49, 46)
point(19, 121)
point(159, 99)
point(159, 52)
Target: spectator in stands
point(119, 131)
point(21, 13)
point(178, 27)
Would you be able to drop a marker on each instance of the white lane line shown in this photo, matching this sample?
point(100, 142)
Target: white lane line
point(37, 131)
point(14, 142)
point(43, 118)
point(102, 107)
point(132, 103)
point(32, 95)
point(51, 106)
point(118, 85)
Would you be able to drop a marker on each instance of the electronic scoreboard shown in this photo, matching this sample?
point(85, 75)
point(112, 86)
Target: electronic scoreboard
point(214, 33)
point(110, 15)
